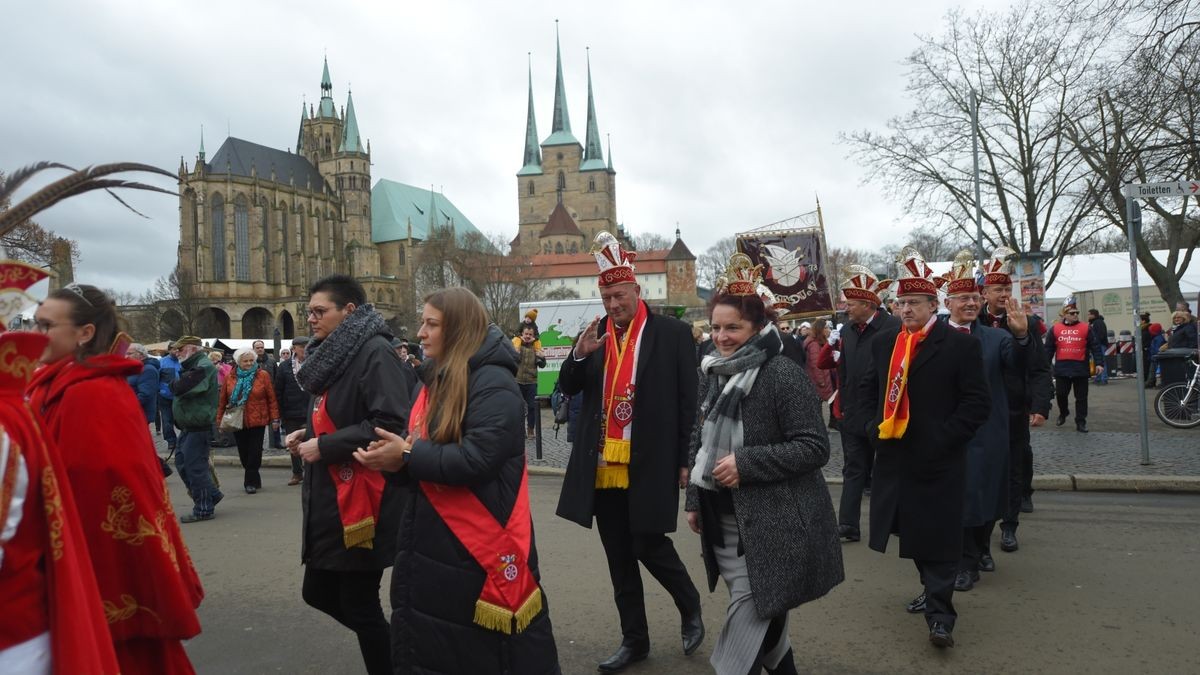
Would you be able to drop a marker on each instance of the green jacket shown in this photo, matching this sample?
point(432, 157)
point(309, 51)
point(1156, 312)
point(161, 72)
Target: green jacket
point(196, 394)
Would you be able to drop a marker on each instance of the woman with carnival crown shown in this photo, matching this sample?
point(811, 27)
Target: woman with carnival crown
point(757, 497)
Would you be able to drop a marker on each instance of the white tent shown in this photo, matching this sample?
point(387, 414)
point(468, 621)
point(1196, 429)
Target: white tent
point(1106, 271)
point(247, 344)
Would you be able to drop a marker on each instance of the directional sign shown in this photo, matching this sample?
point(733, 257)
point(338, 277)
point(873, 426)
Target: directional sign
point(1183, 188)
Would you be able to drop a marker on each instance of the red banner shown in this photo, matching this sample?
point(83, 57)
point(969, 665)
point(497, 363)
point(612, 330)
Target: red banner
point(794, 268)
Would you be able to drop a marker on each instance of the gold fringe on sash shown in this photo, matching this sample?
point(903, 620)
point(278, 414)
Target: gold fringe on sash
point(360, 534)
point(616, 451)
point(612, 476)
point(499, 619)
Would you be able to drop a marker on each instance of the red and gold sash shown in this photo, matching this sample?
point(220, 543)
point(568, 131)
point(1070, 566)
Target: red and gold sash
point(620, 370)
point(359, 489)
point(895, 405)
point(510, 593)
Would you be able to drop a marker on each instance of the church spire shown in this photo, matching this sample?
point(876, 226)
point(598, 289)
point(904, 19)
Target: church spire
point(300, 134)
point(433, 219)
point(201, 142)
point(351, 141)
point(327, 109)
point(593, 154)
point(532, 164)
point(560, 128)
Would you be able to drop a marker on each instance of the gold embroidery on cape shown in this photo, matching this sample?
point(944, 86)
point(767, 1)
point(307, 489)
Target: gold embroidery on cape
point(115, 613)
point(13, 363)
point(120, 526)
point(8, 482)
point(54, 511)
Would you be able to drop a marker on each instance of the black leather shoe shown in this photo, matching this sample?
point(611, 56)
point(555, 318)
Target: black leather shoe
point(940, 636)
point(1008, 541)
point(987, 563)
point(965, 581)
point(1027, 504)
point(848, 533)
point(917, 605)
point(1081, 427)
point(1062, 419)
point(692, 632)
point(623, 657)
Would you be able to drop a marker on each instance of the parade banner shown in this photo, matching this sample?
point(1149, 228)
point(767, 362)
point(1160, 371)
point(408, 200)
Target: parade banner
point(794, 268)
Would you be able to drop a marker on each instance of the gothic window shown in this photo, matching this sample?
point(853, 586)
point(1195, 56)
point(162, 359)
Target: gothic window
point(328, 145)
point(331, 248)
point(283, 245)
point(591, 184)
point(546, 248)
point(562, 181)
point(530, 188)
point(558, 248)
point(560, 156)
point(339, 183)
point(402, 254)
point(218, 238)
point(241, 238)
point(574, 247)
point(353, 183)
point(265, 212)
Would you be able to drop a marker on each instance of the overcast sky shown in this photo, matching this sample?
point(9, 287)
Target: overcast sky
point(723, 116)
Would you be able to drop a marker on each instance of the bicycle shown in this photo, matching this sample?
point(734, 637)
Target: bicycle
point(1178, 405)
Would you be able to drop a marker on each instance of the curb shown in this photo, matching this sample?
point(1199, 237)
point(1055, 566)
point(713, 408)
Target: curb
point(1080, 482)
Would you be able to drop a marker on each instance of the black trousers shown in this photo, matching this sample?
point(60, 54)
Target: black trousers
point(977, 541)
point(1147, 366)
point(249, 445)
point(859, 457)
point(937, 576)
point(1020, 468)
point(1063, 386)
point(624, 550)
point(289, 425)
point(352, 599)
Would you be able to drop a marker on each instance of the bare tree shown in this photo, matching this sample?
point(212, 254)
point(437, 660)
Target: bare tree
point(178, 305)
point(652, 241)
point(713, 261)
point(1027, 63)
point(561, 293)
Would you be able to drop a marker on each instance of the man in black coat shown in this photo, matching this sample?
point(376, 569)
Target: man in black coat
point(293, 400)
point(634, 498)
point(353, 375)
point(865, 320)
point(920, 465)
point(1028, 389)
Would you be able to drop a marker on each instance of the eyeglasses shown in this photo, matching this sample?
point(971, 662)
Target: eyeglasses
point(1073, 313)
point(318, 312)
point(785, 328)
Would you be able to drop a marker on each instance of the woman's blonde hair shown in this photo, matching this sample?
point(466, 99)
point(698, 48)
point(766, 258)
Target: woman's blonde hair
point(1180, 314)
point(464, 326)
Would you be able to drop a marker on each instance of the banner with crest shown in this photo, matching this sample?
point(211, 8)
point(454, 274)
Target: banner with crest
point(792, 254)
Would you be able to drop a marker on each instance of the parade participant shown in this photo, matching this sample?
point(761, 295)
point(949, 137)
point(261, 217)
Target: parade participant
point(923, 400)
point(293, 400)
point(986, 497)
point(529, 359)
point(53, 620)
point(250, 388)
point(1069, 343)
point(757, 496)
point(637, 374)
point(1029, 392)
point(350, 512)
point(149, 589)
point(865, 320)
point(466, 529)
point(196, 395)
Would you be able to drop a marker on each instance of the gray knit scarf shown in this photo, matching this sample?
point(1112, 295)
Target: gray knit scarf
point(730, 379)
point(326, 360)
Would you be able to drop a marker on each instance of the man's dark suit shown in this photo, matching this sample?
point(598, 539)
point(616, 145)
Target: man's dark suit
point(857, 452)
point(633, 523)
point(919, 479)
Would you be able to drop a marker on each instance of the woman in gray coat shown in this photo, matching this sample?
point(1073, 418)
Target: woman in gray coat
point(758, 498)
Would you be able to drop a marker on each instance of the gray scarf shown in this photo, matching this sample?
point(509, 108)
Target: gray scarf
point(730, 379)
point(326, 360)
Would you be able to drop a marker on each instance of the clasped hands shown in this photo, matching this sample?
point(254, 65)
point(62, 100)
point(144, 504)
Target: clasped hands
point(388, 453)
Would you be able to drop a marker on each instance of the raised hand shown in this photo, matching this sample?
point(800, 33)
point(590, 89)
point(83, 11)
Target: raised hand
point(1018, 321)
point(588, 342)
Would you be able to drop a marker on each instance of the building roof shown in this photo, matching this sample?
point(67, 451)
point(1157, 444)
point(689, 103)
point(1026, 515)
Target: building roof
point(241, 155)
point(395, 205)
point(350, 137)
point(679, 251)
point(557, 266)
point(561, 223)
point(532, 163)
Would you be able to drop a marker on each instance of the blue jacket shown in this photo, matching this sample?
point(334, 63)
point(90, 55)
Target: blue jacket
point(145, 385)
point(168, 372)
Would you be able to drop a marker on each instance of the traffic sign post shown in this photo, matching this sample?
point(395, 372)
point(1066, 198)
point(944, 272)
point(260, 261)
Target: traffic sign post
point(1183, 188)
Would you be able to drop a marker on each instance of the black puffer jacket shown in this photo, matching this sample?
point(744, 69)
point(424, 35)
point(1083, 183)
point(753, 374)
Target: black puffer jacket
point(435, 581)
point(293, 400)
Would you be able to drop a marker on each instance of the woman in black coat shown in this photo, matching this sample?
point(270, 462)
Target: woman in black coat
point(464, 461)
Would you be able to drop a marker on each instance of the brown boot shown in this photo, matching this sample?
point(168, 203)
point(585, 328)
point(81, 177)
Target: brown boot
point(296, 478)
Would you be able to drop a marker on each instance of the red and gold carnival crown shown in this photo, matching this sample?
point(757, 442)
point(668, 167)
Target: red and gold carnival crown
point(616, 264)
point(861, 283)
point(961, 277)
point(998, 270)
point(19, 351)
point(741, 277)
point(913, 275)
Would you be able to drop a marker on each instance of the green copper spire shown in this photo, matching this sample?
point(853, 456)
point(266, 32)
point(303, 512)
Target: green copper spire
point(532, 165)
point(593, 155)
point(326, 109)
point(560, 128)
point(351, 142)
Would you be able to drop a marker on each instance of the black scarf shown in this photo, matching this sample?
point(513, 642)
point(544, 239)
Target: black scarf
point(326, 359)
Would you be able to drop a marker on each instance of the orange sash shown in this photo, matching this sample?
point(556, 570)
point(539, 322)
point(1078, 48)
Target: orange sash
point(895, 405)
point(620, 367)
point(359, 489)
point(510, 593)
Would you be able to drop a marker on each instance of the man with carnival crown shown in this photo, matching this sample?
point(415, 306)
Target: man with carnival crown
point(637, 372)
point(52, 619)
point(922, 401)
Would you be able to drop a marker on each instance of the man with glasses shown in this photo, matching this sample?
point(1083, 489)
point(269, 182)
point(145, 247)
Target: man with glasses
point(1069, 343)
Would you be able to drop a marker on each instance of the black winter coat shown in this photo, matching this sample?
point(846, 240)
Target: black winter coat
point(850, 367)
point(1030, 388)
point(436, 581)
point(293, 400)
point(664, 410)
point(919, 480)
point(364, 397)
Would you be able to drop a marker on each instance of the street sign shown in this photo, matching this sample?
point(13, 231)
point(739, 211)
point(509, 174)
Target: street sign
point(1183, 188)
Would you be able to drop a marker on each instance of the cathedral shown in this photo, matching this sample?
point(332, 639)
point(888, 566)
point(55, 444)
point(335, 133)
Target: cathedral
point(258, 225)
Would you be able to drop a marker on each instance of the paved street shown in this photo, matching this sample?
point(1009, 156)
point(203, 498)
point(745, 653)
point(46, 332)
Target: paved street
point(1103, 583)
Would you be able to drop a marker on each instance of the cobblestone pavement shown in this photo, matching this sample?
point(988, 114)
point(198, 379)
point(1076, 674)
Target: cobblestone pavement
point(1113, 445)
